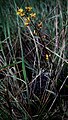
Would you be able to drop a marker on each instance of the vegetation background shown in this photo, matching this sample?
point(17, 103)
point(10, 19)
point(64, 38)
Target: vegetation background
point(34, 60)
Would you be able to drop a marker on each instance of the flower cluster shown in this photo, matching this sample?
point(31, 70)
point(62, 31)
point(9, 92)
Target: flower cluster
point(28, 18)
point(27, 15)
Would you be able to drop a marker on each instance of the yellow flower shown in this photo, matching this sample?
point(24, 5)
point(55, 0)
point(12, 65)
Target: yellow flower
point(28, 8)
point(26, 23)
point(20, 12)
point(33, 15)
point(28, 19)
point(40, 25)
point(47, 57)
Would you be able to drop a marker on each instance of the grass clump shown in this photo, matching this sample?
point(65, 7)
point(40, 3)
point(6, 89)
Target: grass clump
point(33, 60)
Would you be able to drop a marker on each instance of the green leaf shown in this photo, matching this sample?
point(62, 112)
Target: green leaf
point(23, 67)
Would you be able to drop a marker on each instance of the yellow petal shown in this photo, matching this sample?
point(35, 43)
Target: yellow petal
point(22, 14)
point(18, 13)
point(47, 57)
point(20, 10)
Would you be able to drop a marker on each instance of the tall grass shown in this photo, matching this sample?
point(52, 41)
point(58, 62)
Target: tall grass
point(33, 61)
